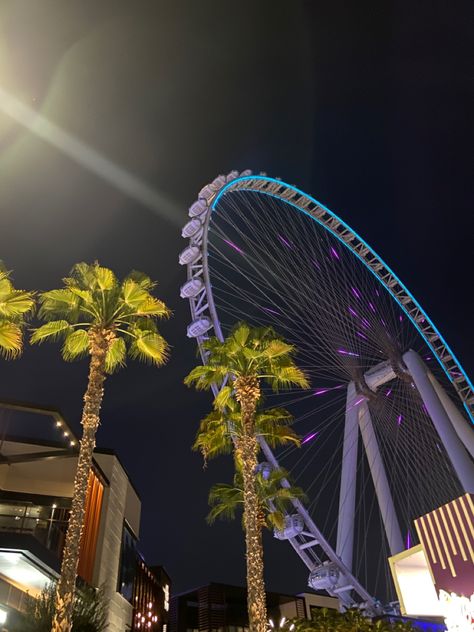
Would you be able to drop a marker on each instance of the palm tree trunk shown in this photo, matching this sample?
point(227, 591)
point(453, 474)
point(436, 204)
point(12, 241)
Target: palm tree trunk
point(256, 600)
point(62, 620)
point(248, 393)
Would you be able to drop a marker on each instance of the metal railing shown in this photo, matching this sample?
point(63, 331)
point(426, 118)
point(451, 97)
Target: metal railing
point(45, 524)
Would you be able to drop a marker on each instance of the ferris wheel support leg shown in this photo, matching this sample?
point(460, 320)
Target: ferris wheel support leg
point(463, 428)
point(347, 493)
point(379, 477)
point(457, 454)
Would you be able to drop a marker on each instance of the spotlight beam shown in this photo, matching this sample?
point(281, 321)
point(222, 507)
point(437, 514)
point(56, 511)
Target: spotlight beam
point(89, 158)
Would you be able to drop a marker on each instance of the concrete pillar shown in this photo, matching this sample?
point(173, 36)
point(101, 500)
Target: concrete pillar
point(379, 477)
point(347, 493)
point(462, 463)
point(464, 428)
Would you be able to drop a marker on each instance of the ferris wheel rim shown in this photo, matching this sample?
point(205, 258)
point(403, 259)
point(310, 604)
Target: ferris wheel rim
point(202, 304)
point(464, 391)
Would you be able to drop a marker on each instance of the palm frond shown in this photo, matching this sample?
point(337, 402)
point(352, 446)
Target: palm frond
point(204, 376)
point(223, 397)
point(10, 339)
point(105, 278)
point(152, 306)
point(241, 334)
point(225, 500)
point(61, 303)
point(116, 354)
point(76, 345)
point(141, 279)
point(277, 347)
point(52, 331)
point(16, 303)
point(151, 348)
point(133, 294)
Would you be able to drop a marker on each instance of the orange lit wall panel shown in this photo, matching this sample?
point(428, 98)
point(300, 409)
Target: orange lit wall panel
point(95, 492)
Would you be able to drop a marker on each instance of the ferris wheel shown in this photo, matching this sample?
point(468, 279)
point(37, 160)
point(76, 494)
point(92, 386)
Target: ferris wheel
point(386, 428)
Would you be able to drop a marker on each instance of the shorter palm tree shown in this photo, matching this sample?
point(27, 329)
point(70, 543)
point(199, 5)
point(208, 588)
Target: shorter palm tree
point(274, 500)
point(248, 358)
point(15, 307)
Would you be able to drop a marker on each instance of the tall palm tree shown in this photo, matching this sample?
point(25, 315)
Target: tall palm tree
point(15, 307)
point(273, 499)
point(246, 358)
point(96, 315)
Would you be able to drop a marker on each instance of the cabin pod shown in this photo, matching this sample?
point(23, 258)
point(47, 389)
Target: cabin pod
point(189, 255)
point(199, 327)
point(324, 577)
point(191, 288)
point(198, 208)
point(293, 526)
point(192, 228)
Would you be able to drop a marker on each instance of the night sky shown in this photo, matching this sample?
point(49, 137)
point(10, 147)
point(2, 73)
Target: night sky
point(362, 104)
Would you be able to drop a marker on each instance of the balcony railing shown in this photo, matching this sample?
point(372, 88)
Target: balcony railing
point(46, 524)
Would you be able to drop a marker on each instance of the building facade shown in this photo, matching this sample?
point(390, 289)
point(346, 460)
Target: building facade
point(38, 459)
point(223, 608)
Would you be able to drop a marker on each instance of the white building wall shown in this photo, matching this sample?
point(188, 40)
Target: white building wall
point(110, 540)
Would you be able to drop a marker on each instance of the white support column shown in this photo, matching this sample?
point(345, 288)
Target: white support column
point(347, 493)
point(379, 477)
point(464, 428)
point(457, 454)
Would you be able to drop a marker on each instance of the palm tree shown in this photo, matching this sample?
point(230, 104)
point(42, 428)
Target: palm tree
point(274, 500)
point(15, 306)
point(94, 314)
point(246, 358)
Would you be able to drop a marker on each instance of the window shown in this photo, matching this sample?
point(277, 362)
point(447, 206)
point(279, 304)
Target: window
point(128, 564)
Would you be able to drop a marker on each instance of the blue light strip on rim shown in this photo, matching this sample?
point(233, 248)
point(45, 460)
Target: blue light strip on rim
point(289, 186)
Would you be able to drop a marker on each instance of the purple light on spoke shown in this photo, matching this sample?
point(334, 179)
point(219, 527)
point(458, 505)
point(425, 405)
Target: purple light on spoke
point(361, 335)
point(399, 419)
point(389, 392)
point(401, 318)
point(232, 245)
point(348, 353)
point(408, 544)
point(372, 307)
point(270, 311)
point(428, 358)
point(334, 253)
point(351, 311)
point(383, 323)
point(355, 291)
point(365, 323)
point(322, 391)
point(357, 402)
point(285, 241)
point(309, 437)
point(316, 264)
point(377, 292)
